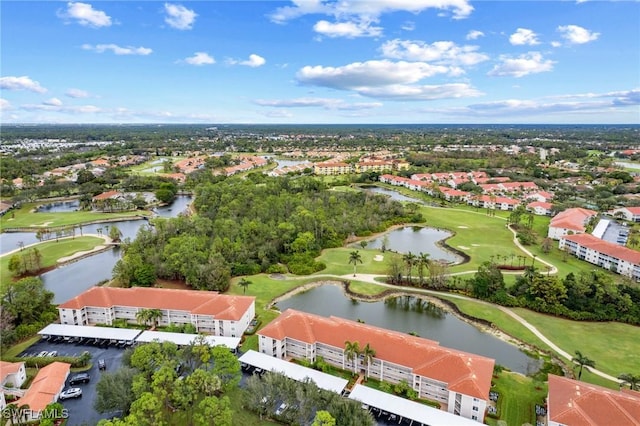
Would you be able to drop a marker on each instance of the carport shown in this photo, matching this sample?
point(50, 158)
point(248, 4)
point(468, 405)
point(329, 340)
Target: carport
point(182, 339)
point(89, 332)
point(415, 412)
point(294, 371)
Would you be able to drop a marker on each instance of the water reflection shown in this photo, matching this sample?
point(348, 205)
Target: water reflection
point(416, 239)
point(394, 195)
point(410, 314)
point(60, 206)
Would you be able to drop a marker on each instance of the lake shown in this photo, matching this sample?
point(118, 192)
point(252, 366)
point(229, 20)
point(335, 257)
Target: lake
point(410, 314)
point(417, 239)
point(394, 195)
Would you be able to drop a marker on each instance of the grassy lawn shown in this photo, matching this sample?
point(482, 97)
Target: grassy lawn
point(51, 251)
point(242, 415)
point(613, 346)
point(26, 218)
point(518, 396)
point(337, 261)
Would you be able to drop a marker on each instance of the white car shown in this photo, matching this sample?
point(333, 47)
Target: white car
point(281, 408)
point(71, 393)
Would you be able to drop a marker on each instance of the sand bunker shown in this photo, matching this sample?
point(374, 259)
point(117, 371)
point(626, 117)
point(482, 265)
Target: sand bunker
point(378, 258)
point(463, 247)
point(44, 224)
point(475, 245)
point(463, 227)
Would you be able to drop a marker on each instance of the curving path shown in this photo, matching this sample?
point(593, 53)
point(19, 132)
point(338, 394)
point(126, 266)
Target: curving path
point(371, 278)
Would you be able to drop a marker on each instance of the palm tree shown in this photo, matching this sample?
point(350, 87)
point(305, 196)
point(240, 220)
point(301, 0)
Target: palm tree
point(368, 354)
point(355, 258)
point(244, 283)
point(409, 259)
point(352, 352)
point(423, 261)
point(142, 316)
point(154, 316)
point(631, 380)
point(582, 360)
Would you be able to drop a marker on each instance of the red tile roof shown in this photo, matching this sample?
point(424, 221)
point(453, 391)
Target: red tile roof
point(106, 195)
point(45, 386)
point(577, 403)
point(466, 373)
point(197, 302)
point(605, 247)
point(542, 204)
point(7, 368)
point(574, 219)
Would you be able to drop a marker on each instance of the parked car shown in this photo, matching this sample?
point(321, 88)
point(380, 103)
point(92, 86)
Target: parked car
point(43, 353)
point(281, 408)
point(71, 393)
point(102, 365)
point(53, 353)
point(79, 378)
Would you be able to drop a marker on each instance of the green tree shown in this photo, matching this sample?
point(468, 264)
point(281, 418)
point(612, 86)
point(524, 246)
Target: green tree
point(16, 265)
point(582, 361)
point(355, 258)
point(114, 233)
point(352, 353)
point(226, 366)
point(632, 380)
point(323, 418)
point(114, 391)
point(244, 283)
point(409, 260)
point(423, 262)
point(368, 353)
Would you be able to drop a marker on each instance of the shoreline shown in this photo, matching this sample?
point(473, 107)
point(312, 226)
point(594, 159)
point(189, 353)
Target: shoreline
point(440, 303)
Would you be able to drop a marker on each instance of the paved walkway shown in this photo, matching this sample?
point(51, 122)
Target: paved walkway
point(371, 278)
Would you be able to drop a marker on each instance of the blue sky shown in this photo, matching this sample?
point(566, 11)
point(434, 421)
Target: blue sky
point(318, 61)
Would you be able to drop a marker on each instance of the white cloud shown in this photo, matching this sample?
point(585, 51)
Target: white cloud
point(118, 50)
point(254, 61)
point(350, 29)
point(77, 93)
point(200, 58)
point(5, 105)
point(368, 9)
point(85, 15)
point(421, 93)
point(529, 63)
point(575, 34)
point(439, 52)
point(524, 36)
point(556, 44)
point(179, 17)
point(385, 79)
point(53, 107)
point(408, 26)
point(370, 73)
point(474, 35)
point(53, 102)
point(325, 103)
point(21, 83)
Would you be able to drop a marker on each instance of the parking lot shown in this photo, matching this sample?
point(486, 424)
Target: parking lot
point(81, 411)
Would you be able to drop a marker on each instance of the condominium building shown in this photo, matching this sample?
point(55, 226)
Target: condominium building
point(570, 221)
point(613, 257)
point(209, 312)
point(572, 402)
point(459, 381)
point(333, 168)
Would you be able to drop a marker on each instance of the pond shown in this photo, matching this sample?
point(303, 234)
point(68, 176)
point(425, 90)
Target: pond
point(394, 195)
point(73, 278)
point(410, 314)
point(416, 239)
point(60, 206)
point(288, 163)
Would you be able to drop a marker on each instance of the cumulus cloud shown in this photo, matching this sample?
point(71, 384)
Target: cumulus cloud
point(179, 17)
point(524, 36)
point(367, 10)
point(200, 58)
point(77, 93)
point(369, 73)
point(385, 79)
point(53, 102)
point(21, 83)
point(409, 26)
point(118, 50)
point(529, 63)
point(254, 61)
point(439, 52)
point(53, 107)
point(474, 35)
point(351, 29)
point(85, 15)
point(575, 34)
point(325, 103)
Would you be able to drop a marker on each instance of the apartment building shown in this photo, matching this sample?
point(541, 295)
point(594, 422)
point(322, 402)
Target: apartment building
point(209, 312)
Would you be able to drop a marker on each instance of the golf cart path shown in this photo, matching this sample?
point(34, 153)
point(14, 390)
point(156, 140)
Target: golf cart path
point(371, 278)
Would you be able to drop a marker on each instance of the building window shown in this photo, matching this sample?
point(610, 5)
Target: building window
point(474, 417)
point(475, 408)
